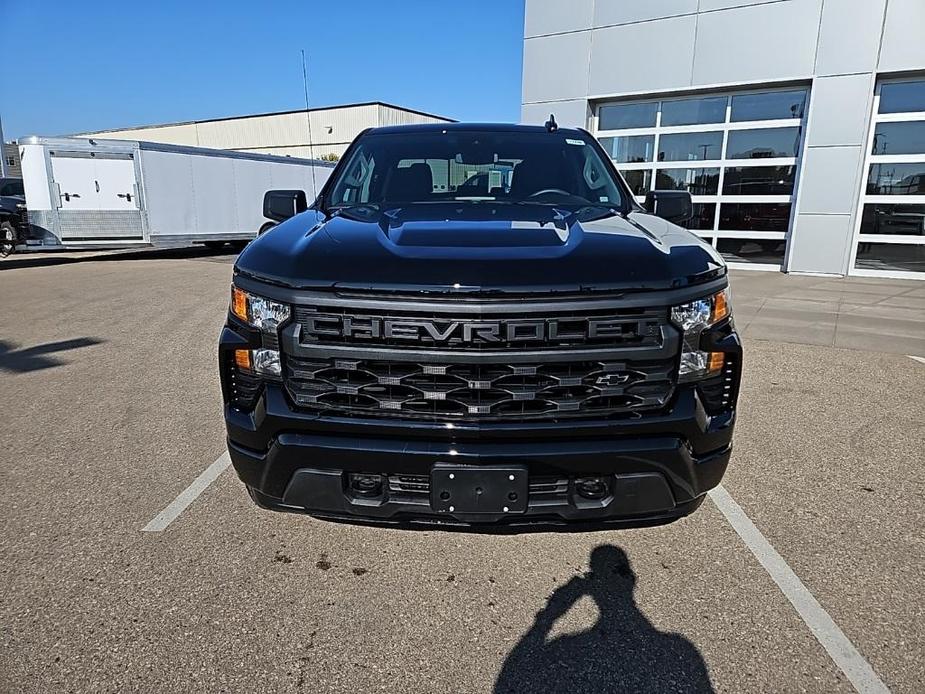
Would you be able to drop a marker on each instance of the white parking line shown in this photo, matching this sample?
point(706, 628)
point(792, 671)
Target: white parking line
point(919, 359)
point(188, 495)
point(827, 632)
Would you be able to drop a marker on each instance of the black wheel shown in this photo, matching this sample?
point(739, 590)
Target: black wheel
point(265, 228)
point(214, 245)
point(7, 239)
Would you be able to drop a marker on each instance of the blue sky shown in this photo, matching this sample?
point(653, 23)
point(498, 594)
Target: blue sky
point(71, 67)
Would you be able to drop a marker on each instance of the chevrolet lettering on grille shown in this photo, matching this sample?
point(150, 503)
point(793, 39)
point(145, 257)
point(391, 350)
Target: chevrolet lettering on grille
point(467, 331)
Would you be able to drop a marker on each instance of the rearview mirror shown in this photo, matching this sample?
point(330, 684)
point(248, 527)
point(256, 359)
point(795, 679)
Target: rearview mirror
point(674, 205)
point(280, 205)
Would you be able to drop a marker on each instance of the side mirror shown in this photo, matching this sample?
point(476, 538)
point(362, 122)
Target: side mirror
point(674, 205)
point(280, 205)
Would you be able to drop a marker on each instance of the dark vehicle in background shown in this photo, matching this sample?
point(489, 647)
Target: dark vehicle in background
point(478, 325)
point(13, 220)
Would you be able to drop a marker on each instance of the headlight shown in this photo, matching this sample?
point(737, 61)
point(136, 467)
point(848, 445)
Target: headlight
point(693, 318)
point(258, 312)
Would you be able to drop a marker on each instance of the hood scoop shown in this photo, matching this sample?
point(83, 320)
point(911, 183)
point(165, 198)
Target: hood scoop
point(462, 235)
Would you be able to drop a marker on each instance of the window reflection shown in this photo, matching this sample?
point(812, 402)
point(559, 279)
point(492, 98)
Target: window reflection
point(620, 116)
point(691, 111)
point(752, 250)
point(704, 217)
point(690, 146)
point(899, 138)
point(695, 181)
point(896, 179)
point(754, 216)
point(768, 106)
point(902, 97)
point(639, 180)
point(635, 148)
point(763, 143)
point(759, 180)
point(890, 256)
point(893, 219)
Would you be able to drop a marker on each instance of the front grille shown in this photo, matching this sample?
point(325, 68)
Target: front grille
point(334, 325)
point(479, 359)
point(479, 391)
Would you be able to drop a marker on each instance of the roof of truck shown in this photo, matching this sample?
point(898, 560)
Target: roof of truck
point(449, 127)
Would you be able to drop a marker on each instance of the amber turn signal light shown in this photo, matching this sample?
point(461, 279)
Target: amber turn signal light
point(242, 358)
point(720, 307)
point(717, 359)
point(239, 303)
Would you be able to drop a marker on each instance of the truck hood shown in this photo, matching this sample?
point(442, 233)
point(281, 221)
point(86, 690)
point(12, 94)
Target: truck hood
point(484, 248)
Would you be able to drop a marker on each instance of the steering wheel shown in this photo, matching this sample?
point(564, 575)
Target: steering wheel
point(548, 190)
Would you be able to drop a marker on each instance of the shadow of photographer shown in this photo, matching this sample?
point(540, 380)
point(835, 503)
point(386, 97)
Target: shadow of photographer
point(621, 652)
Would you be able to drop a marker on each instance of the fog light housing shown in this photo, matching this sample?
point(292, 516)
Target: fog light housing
point(264, 362)
point(366, 485)
point(592, 487)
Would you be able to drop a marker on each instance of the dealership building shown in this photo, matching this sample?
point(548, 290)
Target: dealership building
point(798, 126)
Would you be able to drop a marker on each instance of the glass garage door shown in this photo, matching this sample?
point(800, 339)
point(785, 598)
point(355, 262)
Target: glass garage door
point(891, 223)
point(737, 154)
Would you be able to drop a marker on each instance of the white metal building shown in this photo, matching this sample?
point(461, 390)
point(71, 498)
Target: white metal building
point(798, 126)
point(284, 133)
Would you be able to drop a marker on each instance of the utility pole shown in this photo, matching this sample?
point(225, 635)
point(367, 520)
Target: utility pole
point(2, 152)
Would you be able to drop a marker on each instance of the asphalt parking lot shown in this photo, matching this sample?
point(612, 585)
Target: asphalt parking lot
point(110, 408)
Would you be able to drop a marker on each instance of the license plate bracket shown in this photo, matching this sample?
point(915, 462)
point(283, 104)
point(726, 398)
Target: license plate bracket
point(477, 489)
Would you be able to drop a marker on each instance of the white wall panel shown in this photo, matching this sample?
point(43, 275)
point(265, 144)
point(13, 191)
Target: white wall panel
point(569, 114)
point(627, 58)
point(168, 180)
point(819, 243)
point(624, 12)
point(544, 17)
point(838, 113)
point(758, 42)
point(829, 180)
point(556, 67)
point(849, 37)
point(904, 36)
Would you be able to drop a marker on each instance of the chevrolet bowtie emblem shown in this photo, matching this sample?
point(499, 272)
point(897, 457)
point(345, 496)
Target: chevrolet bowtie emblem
point(611, 380)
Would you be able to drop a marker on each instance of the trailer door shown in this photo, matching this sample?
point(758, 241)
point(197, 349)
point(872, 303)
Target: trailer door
point(97, 196)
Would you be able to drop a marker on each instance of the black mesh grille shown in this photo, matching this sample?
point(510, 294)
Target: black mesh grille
point(480, 391)
point(542, 489)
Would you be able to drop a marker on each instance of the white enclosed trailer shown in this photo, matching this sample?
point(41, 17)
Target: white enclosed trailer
point(84, 192)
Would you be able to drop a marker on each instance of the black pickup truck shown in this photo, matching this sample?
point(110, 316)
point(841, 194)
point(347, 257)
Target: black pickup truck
point(478, 325)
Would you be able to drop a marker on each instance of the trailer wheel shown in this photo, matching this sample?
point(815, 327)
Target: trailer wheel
point(214, 245)
point(265, 228)
point(7, 239)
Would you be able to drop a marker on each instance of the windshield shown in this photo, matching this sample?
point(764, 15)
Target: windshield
point(474, 167)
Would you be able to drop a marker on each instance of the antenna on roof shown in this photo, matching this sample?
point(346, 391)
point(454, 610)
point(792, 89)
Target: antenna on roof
point(308, 116)
point(551, 125)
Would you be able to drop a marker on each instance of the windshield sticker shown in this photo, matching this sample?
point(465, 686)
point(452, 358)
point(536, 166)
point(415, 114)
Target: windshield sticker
point(574, 142)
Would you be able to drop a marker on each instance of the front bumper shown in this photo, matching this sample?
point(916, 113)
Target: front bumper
point(657, 468)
